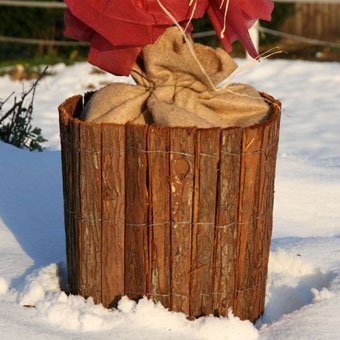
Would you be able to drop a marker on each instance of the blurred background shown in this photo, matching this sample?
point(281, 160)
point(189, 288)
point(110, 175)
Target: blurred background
point(31, 33)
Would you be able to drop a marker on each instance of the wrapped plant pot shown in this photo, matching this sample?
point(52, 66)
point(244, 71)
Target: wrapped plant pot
point(169, 182)
point(181, 215)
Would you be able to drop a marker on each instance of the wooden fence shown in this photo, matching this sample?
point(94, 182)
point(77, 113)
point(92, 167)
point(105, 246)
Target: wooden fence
point(315, 20)
point(180, 215)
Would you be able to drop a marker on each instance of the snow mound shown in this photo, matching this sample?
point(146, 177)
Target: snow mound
point(293, 282)
point(42, 291)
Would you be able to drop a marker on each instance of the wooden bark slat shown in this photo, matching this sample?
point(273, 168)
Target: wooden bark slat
point(182, 162)
point(159, 229)
point(89, 213)
point(73, 207)
point(265, 194)
point(206, 163)
point(136, 213)
point(70, 178)
point(248, 200)
point(113, 213)
point(226, 220)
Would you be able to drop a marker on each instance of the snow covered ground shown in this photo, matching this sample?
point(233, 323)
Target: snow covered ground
point(303, 290)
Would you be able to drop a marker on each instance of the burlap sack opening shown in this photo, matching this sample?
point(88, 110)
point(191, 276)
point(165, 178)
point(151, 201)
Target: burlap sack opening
point(182, 215)
point(173, 89)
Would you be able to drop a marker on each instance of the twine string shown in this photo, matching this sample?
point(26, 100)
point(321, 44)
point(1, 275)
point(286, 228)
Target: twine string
point(105, 150)
point(183, 296)
point(95, 220)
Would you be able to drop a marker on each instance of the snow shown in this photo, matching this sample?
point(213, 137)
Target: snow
point(303, 288)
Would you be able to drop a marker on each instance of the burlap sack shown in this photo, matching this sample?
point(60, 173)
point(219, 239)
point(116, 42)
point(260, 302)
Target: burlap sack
point(174, 89)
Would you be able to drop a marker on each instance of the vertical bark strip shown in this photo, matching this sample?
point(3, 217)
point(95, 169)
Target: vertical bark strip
point(90, 150)
point(226, 220)
point(136, 213)
point(249, 186)
point(113, 213)
point(159, 229)
point(182, 163)
point(264, 221)
point(206, 162)
point(69, 138)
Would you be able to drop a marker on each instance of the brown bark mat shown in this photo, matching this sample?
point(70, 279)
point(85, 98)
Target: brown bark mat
point(182, 215)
